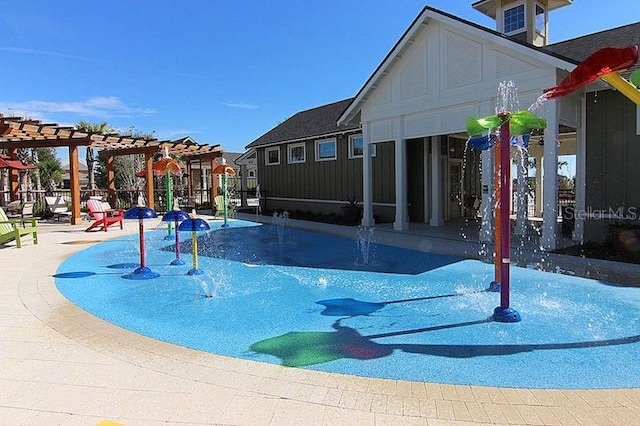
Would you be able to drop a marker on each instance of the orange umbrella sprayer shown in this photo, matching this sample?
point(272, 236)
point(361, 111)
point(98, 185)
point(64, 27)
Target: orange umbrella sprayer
point(224, 170)
point(167, 166)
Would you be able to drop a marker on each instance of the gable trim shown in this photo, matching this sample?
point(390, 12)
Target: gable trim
point(421, 21)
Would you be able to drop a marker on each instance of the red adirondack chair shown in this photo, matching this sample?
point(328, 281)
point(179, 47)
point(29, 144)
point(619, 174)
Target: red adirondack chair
point(103, 213)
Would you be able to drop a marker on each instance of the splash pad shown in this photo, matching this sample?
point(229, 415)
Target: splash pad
point(415, 316)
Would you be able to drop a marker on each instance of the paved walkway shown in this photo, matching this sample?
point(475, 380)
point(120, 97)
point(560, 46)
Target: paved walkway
point(62, 366)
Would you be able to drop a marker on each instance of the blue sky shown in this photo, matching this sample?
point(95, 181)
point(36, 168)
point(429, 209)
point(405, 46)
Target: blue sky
point(223, 72)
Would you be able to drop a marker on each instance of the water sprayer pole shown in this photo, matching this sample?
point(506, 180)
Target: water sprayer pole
point(194, 240)
point(141, 233)
point(168, 195)
point(505, 243)
point(177, 238)
point(224, 194)
point(496, 214)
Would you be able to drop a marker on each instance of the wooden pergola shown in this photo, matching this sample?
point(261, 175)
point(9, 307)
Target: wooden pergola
point(18, 133)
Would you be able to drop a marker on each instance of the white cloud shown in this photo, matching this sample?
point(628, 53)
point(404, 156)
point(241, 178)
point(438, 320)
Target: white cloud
point(37, 52)
point(101, 106)
point(177, 133)
point(239, 105)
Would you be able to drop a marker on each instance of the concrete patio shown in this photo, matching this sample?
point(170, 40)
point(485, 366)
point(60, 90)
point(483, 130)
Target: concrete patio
point(61, 365)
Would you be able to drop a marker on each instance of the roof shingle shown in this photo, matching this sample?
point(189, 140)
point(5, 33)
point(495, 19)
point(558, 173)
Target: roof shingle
point(317, 121)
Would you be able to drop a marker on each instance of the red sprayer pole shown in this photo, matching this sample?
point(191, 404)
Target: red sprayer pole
point(177, 239)
point(505, 221)
point(141, 232)
point(498, 205)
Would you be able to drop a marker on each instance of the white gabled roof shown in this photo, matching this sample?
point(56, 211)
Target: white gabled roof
point(477, 31)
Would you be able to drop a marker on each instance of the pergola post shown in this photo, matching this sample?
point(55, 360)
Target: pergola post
point(148, 164)
point(189, 184)
point(74, 183)
point(14, 177)
point(111, 179)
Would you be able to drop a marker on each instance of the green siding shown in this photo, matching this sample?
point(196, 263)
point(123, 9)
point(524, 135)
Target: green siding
point(328, 183)
point(613, 155)
point(415, 179)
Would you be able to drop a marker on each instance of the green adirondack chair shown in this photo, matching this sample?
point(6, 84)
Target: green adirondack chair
point(11, 230)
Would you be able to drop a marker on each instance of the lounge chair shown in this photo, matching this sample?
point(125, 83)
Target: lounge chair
point(13, 230)
point(58, 207)
point(219, 200)
point(27, 209)
point(17, 210)
point(103, 213)
point(14, 209)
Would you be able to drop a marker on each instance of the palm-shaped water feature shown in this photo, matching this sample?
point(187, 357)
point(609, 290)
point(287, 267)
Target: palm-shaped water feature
point(508, 128)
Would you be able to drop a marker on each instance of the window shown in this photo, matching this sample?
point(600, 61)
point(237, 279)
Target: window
point(252, 173)
point(514, 19)
point(272, 156)
point(356, 147)
point(297, 153)
point(541, 23)
point(326, 150)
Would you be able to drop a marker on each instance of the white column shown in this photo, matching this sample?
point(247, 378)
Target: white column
point(367, 182)
point(243, 185)
point(581, 173)
point(486, 226)
point(436, 191)
point(539, 178)
point(550, 179)
point(522, 200)
point(401, 223)
point(426, 181)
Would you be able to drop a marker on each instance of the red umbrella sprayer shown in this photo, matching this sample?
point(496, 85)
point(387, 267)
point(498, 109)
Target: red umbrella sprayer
point(141, 212)
point(224, 170)
point(195, 225)
point(605, 64)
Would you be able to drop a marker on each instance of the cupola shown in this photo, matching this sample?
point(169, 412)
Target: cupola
point(524, 20)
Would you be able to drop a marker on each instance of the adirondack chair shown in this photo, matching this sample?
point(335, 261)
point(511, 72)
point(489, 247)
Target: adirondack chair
point(219, 200)
point(13, 230)
point(103, 213)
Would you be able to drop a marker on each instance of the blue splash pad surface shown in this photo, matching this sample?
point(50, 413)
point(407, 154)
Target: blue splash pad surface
point(426, 320)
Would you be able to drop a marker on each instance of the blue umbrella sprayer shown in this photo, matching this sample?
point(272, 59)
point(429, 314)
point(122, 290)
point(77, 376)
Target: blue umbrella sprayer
point(141, 212)
point(195, 225)
point(176, 216)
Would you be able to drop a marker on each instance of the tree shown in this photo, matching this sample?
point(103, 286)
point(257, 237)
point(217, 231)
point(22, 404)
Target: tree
point(49, 168)
point(125, 166)
point(102, 128)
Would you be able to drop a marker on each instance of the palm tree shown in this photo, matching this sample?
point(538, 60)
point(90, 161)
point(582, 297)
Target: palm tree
point(102, 128)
